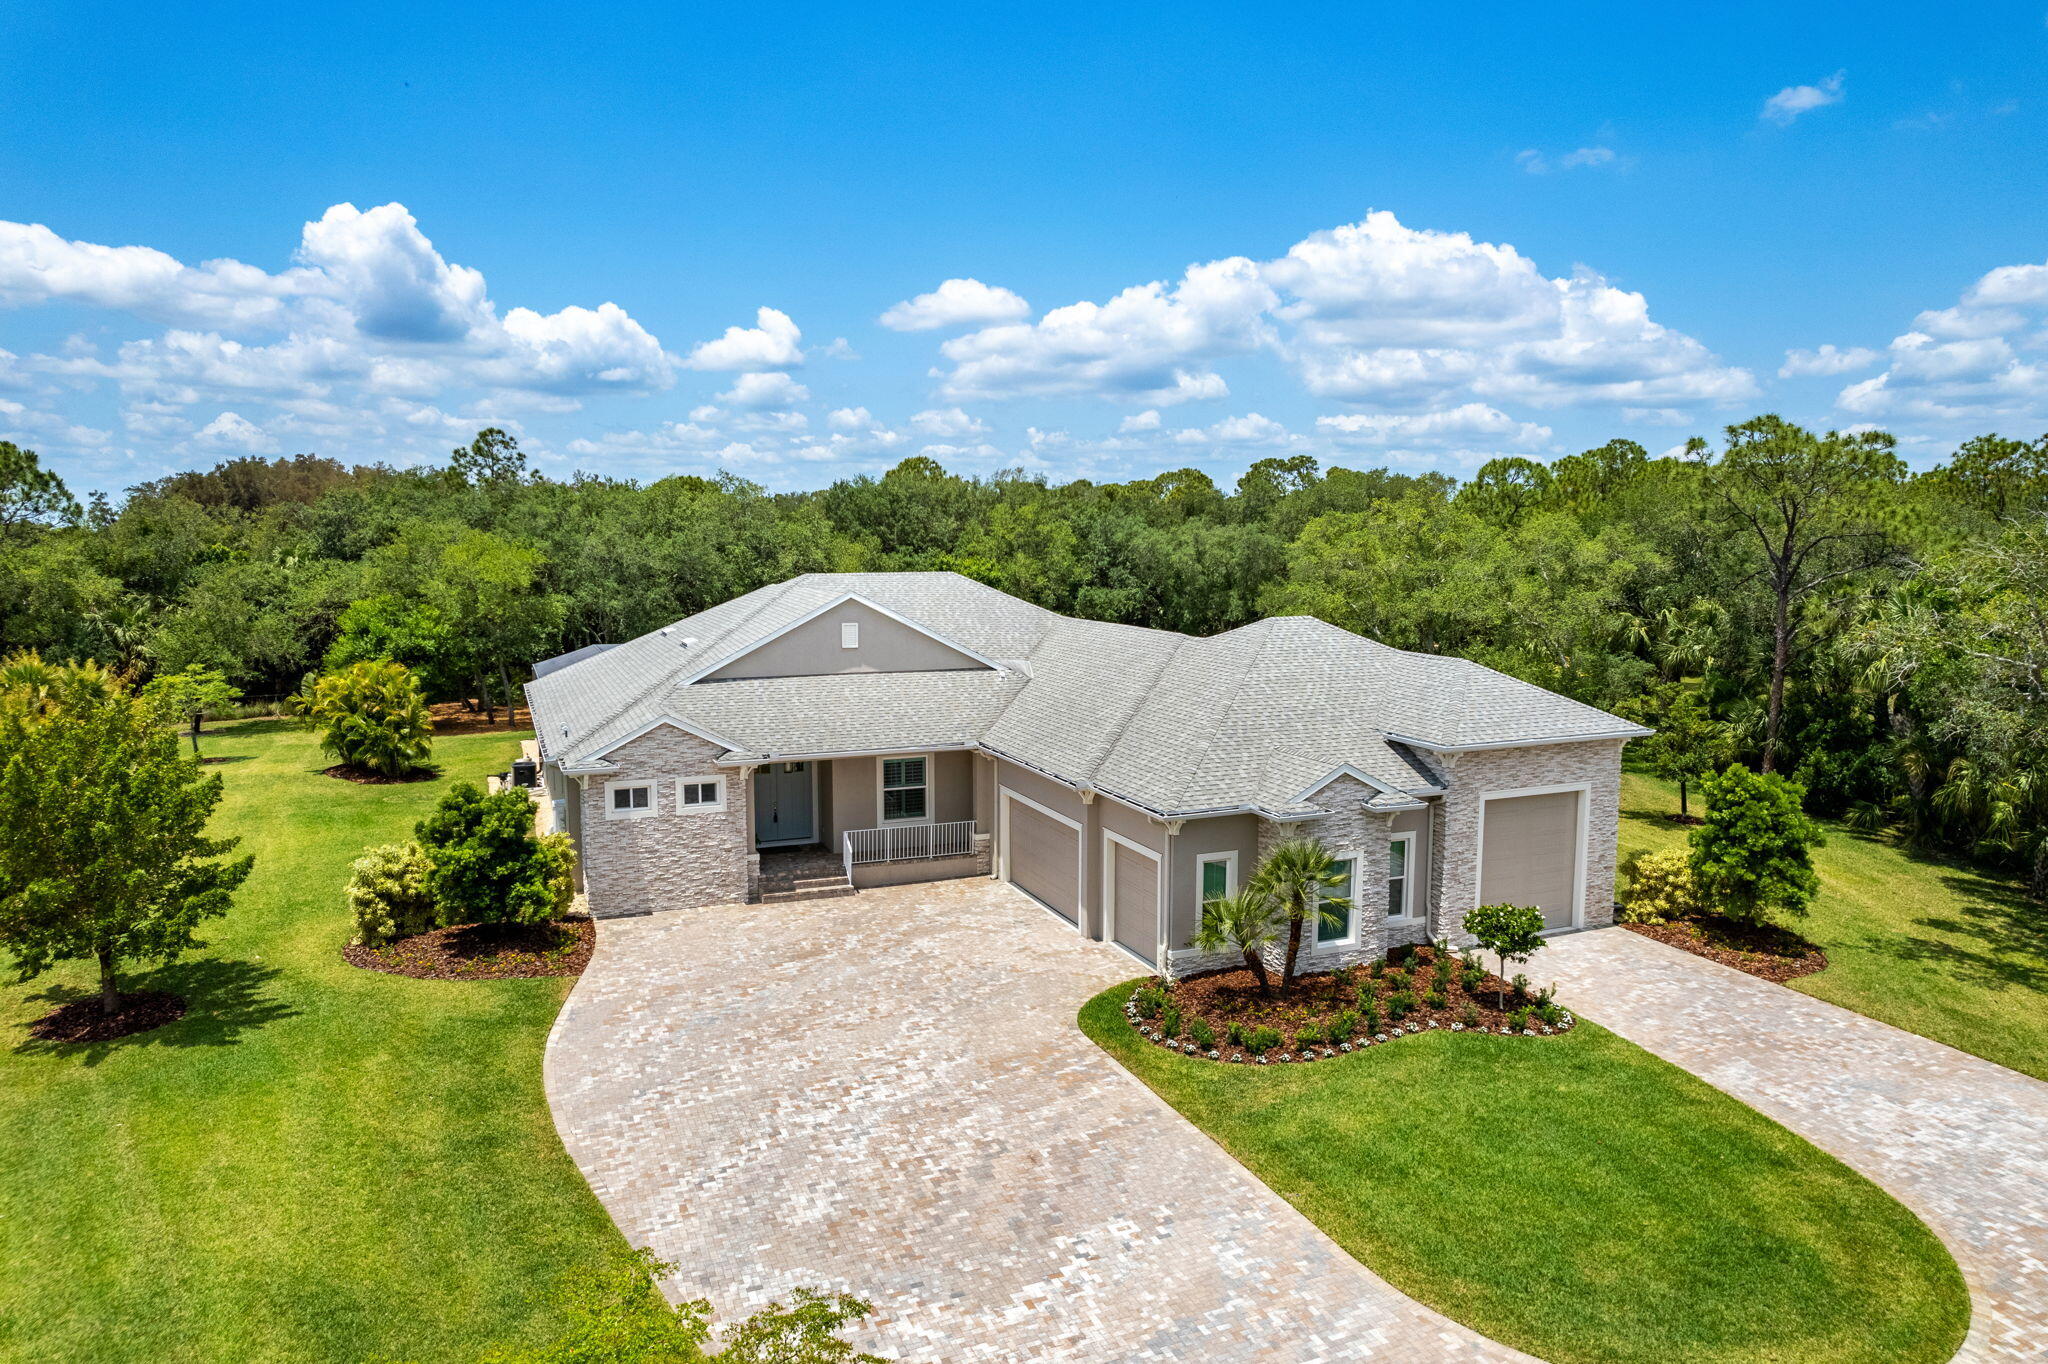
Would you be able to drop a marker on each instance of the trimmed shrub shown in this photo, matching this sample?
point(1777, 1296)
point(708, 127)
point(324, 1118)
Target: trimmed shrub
point(1660, 888)
point(1437, 999)
point(1308, 1035)
point(1470, 978)
point(1399, 1005)
point(1344, 1026)
point(1469, 1015)
point(1150, 999)
point(1752, 857)
point(1549, 1013)
point(1169, 1020)
point(1396, 978)
point(1234, 1033)
point(1202, 1034)
point(484, 863)
point(1518, 1019)
point(387, 891)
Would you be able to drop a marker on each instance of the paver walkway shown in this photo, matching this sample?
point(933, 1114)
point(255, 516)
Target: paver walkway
point(886, 1094)
point(1960, 1141)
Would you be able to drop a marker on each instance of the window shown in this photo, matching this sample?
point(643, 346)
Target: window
point(698, 796)
point(906, 794)
point(629, 799)
point(1339, 929)
point(1400, 904)
point(849, 634)
point(1216, 875)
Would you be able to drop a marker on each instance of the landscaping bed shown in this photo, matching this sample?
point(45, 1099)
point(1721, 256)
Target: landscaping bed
point(82, 1021)
point(1766, 951)
point(362, 776)
point(484, 951)
point(1224, 1016)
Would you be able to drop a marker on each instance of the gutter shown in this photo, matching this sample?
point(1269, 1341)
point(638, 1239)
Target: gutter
point(1632, 732)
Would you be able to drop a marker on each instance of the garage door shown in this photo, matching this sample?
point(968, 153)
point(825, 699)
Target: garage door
point(1135, 884)
point(1531, 854)
point(1043, 857)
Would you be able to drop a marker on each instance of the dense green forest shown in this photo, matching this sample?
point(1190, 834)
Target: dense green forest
point(1795, 600)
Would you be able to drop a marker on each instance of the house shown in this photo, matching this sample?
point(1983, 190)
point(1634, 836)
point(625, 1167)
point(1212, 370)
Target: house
point(907, 726)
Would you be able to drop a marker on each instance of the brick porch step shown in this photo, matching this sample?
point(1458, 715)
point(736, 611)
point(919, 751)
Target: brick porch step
point(773, 895)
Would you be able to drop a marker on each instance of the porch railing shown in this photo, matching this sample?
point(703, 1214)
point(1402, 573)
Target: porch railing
point(908, 843)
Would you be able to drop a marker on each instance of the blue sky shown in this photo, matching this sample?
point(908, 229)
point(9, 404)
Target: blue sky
point(1179, 235)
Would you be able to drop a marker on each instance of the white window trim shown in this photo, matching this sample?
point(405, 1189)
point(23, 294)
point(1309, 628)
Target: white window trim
point(715, 808)
point(931, 803)
point(1407, 914)
point(849, 634)
point(1585, 790)
point(1314, 925)
point(1111, 840)
point(653, 788)
point(1229, 861)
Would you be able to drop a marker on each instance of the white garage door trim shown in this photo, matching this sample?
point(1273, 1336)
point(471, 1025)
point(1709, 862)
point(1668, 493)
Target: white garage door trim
point(1109, 905)
point(1585, 792)
point(1004, 795)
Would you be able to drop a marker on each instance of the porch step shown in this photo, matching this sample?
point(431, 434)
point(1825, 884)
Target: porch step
point(815, 880)
point(783, 896)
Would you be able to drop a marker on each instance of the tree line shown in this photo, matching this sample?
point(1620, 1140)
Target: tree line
point(1793, 600)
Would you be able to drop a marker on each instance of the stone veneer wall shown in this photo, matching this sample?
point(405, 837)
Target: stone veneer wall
point(1454, 872)
point(1349, 828)
point(668, 860)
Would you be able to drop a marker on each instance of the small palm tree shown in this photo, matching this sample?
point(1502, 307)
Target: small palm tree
point(1302, 879)
point(1244, 923)
point(373, 717)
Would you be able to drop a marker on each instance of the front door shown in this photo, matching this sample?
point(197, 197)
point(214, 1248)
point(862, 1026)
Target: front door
point(782, 804)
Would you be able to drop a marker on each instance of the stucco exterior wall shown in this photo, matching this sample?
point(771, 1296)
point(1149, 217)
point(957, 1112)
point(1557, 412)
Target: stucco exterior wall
point(1475, 776)
point(1223, 833)
point(886, 645)
point(669, 859)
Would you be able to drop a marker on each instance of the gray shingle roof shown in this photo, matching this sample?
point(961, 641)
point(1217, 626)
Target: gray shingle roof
point(1254, 717)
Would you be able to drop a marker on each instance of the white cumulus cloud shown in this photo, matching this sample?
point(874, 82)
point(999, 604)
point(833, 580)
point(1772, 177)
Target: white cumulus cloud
point(1460, 425)
point(772, 343)
point(765, 390)
point(956, 303)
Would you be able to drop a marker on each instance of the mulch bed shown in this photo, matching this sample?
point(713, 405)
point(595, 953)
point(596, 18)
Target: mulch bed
point(455, 717)
point(484, 952)
point(1771, 953)
point(1224, 998)
point(362, 777)
point(82, 1021)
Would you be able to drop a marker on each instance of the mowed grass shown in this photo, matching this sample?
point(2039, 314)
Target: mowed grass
point(1932, 946)
point(317, 1162)
point(1577, 1198)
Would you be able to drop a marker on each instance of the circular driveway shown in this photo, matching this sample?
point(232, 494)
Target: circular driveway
point(886, 1094)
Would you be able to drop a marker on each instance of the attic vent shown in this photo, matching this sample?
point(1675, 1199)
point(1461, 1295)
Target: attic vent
point(689, 641)
point(663, 632)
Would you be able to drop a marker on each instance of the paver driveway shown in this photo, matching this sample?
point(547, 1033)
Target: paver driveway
point(887, 1094)
point(1962, 1142)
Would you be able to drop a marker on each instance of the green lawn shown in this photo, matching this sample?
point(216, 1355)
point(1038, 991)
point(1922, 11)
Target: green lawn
point(316, 1163)
point(1935, 947)
point(1577, 1198)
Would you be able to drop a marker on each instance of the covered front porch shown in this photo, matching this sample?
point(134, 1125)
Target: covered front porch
point(826, 826)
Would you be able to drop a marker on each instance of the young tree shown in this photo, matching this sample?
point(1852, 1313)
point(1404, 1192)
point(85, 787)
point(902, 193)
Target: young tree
point(103, 849)
point(1245, 923)
point(372, 717)
point(1302, 880)
point(1513, 933)
point(484, 862)
point(191, 693)
point(1689, 743)
point(1810, 504)
point(1751, 858)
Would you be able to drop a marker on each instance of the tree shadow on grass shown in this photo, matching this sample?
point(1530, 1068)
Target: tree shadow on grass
point(2005, 933)
point(224, 1001)
point(268, 724)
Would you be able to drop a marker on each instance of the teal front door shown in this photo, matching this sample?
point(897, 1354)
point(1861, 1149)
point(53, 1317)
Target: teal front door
point(782, 804)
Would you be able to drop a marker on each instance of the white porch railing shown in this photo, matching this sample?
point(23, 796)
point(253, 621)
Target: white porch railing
point(908, 843)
